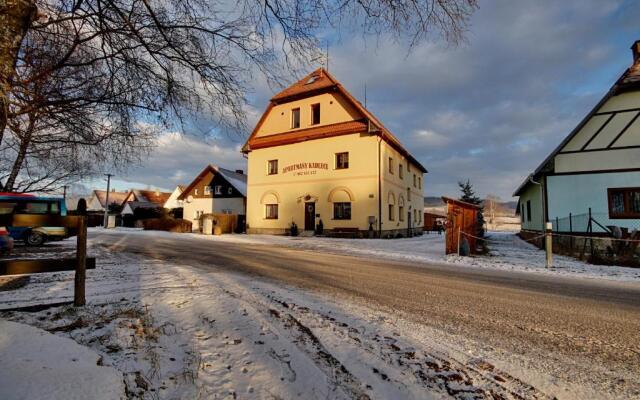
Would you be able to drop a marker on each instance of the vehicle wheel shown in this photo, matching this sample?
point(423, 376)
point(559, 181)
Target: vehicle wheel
point(35, 239)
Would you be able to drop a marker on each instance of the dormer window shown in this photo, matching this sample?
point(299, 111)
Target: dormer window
point(315, 114)
point(295, 118)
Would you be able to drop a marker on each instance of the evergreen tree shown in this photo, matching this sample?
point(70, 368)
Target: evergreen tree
point(469, 196)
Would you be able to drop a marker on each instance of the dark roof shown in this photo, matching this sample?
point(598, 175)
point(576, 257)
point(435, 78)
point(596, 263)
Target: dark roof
point(236, 179)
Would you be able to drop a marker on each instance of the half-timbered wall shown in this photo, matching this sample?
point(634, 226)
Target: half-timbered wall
point(609, 140)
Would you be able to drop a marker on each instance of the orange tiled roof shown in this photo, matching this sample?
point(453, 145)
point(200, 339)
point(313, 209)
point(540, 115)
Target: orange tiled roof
point(154, 196)
point(317, 80)
point(319, 132)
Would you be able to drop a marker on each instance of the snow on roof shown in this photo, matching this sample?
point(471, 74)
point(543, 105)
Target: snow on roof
point(238, 180)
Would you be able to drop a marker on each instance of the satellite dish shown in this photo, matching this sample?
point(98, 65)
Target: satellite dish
point(189, 199)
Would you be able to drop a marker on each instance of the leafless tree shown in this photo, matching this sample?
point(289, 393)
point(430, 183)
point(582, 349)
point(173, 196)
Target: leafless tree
point(87, 79)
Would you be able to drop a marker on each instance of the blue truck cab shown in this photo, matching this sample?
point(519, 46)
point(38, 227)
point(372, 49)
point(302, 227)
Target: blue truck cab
point(20, 203)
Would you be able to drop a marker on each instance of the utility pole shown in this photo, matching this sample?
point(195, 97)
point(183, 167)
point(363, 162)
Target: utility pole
point(106, 202)
point(64, 192)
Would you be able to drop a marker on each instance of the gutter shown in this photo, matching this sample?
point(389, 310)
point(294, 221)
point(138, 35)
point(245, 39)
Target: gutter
point(379, 187)
point(543, 194)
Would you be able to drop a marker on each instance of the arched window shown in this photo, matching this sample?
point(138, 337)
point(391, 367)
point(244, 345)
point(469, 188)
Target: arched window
point(341, 197)
point(401, 208)
point(392, 206)
point(270, 200)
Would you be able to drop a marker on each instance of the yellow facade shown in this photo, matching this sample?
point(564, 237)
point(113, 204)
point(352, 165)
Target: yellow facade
point(310, 186)
point(334, 108)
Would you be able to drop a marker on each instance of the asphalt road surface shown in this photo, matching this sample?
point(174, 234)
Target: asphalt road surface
point(583, 330)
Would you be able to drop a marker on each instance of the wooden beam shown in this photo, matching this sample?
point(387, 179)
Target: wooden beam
point(37, 266)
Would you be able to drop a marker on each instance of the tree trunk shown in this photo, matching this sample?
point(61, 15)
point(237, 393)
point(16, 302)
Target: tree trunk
point(25, 141)
point(15, 18)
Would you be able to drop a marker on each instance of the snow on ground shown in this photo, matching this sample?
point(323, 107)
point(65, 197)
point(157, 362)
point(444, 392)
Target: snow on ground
point(180, 333)
point(39, 365)
point(507, 252)
point(176, 332)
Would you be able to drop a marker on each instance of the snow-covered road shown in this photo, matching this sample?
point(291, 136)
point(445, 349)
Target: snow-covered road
point(187, 317)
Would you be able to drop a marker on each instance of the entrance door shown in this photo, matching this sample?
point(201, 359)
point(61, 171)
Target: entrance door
point(309, 216)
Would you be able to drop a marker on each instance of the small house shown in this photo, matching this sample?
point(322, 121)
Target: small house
point(98, 200)
point(215, 190)
point(591, 181)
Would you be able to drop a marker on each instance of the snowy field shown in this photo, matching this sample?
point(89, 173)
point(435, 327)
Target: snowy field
point(507, 252)
point(179, 333)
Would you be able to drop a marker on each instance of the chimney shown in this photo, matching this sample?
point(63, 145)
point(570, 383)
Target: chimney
point(239, 171)
point(635, 50)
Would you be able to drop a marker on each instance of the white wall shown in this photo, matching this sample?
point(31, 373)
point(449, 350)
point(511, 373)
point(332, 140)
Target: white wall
point(172, 201)
point(212, 205)
point(190, 209)
point(532, 194)
point(235, 204)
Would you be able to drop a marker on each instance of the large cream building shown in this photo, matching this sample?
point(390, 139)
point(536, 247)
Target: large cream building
point(318, 155)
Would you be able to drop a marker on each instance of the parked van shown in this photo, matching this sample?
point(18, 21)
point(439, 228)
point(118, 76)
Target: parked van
point(19, 203)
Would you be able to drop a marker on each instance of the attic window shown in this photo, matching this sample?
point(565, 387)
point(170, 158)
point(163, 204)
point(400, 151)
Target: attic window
point(311, 79)
point(295, 118)
point(315, 114)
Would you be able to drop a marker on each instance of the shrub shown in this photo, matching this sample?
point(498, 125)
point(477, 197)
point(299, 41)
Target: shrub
point(166, 224)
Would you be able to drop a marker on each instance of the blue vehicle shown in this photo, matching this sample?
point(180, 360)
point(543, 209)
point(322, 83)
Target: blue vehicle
point(19, 203)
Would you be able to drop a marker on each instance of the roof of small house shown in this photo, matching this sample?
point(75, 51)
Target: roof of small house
point(320, 81)
point(114, 197)
point(133, 205)
point(152, 196)
point(461, 203)
point(235, 179)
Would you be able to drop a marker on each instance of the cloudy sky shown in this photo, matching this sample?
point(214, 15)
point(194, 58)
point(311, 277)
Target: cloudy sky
point(489, 110)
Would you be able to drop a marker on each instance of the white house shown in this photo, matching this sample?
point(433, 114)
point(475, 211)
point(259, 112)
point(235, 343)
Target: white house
point(215, 190)
point(595, 170)
point(98, 199)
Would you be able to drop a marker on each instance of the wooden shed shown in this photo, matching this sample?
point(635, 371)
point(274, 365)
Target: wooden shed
point(434, 222)
point(462, 221)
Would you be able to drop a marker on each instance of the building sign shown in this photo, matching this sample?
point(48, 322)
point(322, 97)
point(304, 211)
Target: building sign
point(305, 168)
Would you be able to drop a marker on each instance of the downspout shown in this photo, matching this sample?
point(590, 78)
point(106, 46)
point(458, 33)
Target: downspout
point(543, 196)
point(379, 186)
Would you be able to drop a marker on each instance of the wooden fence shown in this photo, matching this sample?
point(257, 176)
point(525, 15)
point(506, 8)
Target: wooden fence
point(79, 263)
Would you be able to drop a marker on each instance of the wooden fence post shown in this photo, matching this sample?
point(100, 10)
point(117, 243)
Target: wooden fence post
point(79, 297)
point(548, 244)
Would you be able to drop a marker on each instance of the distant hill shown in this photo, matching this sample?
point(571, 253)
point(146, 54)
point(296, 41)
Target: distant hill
point(433, 201)
point(502, 208)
